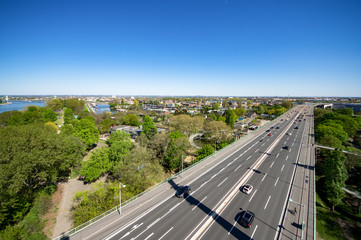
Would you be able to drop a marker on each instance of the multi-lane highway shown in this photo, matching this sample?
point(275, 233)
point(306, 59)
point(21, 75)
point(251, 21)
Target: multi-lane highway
point(212, 209)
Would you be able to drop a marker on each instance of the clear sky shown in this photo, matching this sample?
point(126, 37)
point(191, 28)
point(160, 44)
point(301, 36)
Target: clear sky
point(181, 47)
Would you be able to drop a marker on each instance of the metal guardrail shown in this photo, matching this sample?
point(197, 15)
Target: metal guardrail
point(105, 214)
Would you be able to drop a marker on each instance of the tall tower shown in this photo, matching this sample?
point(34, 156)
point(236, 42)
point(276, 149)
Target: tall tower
point(7, 98)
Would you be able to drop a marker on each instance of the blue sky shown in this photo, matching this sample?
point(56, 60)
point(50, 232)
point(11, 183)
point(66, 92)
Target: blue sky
point(181, 47)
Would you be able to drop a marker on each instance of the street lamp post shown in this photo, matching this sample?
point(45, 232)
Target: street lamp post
point(303, 216)
point(182, 166)
point(120, 197)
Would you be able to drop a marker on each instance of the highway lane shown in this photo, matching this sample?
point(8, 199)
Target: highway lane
point(178, 217)
point(270, 188)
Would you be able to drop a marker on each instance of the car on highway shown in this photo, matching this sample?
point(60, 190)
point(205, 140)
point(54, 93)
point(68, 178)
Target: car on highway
point(270, 134)
point(286, 147)
point(268, 130)
point(277, 127)
point(247, 188)
point(247, 219)
point(183, 191)
point(289, 134)
point(296, 127)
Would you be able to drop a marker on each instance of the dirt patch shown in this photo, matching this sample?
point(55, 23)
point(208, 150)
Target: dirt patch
point(50, 216)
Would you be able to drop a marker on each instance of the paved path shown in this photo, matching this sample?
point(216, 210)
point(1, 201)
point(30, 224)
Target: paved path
point(191, 138)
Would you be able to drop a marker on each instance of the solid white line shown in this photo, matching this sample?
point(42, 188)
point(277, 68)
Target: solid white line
point(229, 164)
point(286, 157)
point(222, 182)
point(254, 232)
point(282, 167)
point(234, 224)
point(271, 164)
point(199, 203)
point(222, 169)
point(252, 196)
point(264, 177)
point(165, 233)
point(267, 202)
point(149, 236)
point(248, 158)
point(237, 168)
point(276, 181)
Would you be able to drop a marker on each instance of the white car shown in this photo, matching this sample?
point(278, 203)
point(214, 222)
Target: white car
point(247, 189)
point(289, 134)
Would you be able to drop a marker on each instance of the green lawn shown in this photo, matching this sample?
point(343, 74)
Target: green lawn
point(327, 225)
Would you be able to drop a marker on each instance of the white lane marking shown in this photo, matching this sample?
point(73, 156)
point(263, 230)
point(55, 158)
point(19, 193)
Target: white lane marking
point(154, 222)
point(199, 203)
point(271, 164)
point(229, 164)
point(222, 182)
point(234, 224)
point(222, 169)
point(248, 158)
point(133, 228)
point(149, 236)
point(267, 202)
point(276, 181)
point(262, 145)
point(288, 138)
point(286, 158)
point(290, 150)
point(252, 196)
point(277, 155)
point(285, 142)
point(293, 143)
point(254, 232)
point(165, 233)
point(237, 168)
point(256, 150)
point(282, 167)
point(264, 177)
point(294, 140)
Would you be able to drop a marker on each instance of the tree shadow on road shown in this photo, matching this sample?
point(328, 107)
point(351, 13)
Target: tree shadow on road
point(238, 234)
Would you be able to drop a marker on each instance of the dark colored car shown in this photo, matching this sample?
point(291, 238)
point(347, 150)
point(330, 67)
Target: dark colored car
point(183, 191)
point(277, 127)
point(296, 127)
point(286, 147)
point(247, 219)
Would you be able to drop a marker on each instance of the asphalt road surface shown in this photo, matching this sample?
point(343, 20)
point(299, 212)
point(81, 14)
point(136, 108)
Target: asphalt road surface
point(215, 202)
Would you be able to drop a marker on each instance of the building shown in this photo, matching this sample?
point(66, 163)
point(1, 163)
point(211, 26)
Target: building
point(356, 107)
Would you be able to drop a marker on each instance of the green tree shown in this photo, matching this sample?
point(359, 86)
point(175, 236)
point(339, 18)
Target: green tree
point(205, 151)
point(106, 124)
point(55, 104)
point(260, 110)
point(240, 112)
point(68, 115)
point(186, 124)
point(217, 131)
point(230, 118)
point(31, 157)
point(286, 104)
point(336, 176)
point(49, 115)
point(132, 120)
point(149, 128)
point(97, 165)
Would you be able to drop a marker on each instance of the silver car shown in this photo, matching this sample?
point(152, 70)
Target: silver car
point(247, 189)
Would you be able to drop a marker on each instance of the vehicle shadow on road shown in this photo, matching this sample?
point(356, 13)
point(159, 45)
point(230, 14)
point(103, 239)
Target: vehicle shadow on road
point(238, 234)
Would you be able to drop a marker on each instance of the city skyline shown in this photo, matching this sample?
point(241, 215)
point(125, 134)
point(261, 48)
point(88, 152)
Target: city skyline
point(187, 48)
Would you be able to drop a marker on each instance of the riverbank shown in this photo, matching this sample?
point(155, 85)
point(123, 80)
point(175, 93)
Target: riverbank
point(7, 103)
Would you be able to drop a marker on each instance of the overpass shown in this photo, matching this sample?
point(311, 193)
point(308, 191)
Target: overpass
point(283, 180)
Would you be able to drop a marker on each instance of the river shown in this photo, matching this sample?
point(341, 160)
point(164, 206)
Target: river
point(19, 105)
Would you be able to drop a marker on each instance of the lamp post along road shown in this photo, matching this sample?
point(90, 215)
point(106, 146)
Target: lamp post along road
point(182, 166)
point(120, 197)
point(303, 216)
